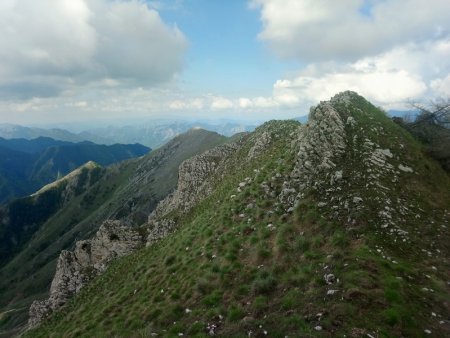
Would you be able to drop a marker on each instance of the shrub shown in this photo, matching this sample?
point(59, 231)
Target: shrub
point(392, 316)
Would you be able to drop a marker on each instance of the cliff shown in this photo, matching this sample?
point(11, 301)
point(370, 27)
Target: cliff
point(89, 258)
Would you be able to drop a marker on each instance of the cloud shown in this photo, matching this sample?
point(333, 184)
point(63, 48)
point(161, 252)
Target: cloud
point(218, 103)
point(49, 46)
point(442, 86)
point(390, 51)
point(391, 79)
point(382, 87)
point(187, 104)
point(346, 30)
point(245, 103)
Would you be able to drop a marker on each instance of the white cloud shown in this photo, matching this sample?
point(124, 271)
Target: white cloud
point(315, 30)
point(391, 79)
point(442, 86)
point(218, 103)
point(381, 87)
point(390, 51)
point(50, 46)
point(245, 103)
point(187, 104)
point(197, 103)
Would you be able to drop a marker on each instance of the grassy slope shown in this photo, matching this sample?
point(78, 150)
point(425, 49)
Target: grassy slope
point(222, 270)
point(27, 277)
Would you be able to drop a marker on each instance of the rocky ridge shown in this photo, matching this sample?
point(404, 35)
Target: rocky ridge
point(195, 182)
point(115, 239)
point(89, 258)
point(340, 164)
point(75, 182)
point(348, 165)
point(127, 191)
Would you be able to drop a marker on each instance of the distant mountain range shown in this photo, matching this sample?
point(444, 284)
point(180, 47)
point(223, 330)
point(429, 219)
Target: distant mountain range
point(152, 134)
point(27, 165)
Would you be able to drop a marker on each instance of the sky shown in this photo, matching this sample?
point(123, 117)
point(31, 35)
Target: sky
point(248, 60)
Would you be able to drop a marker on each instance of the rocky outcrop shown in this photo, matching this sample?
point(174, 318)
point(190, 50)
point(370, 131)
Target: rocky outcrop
point(155, 176)
point(199, 175)
point(319, 143)
point(195, 182)
point(261, 143)
point(340, 163)
point(89, 258)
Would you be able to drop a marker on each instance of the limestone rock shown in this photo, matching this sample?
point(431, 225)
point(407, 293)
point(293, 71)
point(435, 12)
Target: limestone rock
point(194, 180)
point(261, 144)
point(89, 258)
point(405, 169)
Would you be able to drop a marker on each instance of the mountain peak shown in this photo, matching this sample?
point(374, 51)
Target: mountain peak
point(346, 96)
point(346, 104)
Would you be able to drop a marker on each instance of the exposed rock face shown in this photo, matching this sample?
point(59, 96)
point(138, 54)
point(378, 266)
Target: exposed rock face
point(319, 142)
point(195, 182)
point(76, 268)
point(340, 163)
point(261, 144)
point(197, 178)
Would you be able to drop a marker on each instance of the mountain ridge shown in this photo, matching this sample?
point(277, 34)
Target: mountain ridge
point(27, 165)
point(127, 191)
point(304, 229)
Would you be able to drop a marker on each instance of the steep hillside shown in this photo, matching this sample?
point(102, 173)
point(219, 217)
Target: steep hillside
point(13, 175)
point(335, 228)
point(27, 165)
point(128, 191)
point(22, 217)
point(62, 159)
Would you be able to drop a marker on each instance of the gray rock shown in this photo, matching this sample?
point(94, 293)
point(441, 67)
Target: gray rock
point(195, 180)
point(76, 268)
point(405, 168)
point(329, 278)
point(260, 145)
point(357, 199)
